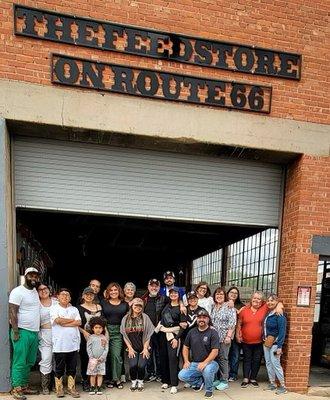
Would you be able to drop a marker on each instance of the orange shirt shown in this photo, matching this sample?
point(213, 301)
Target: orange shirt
point(252, 324)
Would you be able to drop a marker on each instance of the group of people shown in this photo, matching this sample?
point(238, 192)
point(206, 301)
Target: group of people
point(157, 334)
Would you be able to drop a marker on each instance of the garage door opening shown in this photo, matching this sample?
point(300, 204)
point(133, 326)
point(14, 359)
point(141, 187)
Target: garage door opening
point(79, 247)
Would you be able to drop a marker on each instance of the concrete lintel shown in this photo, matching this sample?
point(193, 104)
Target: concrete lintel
point(4, 258)
point(86, 109)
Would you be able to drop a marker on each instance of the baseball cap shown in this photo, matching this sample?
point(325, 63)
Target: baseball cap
point(137, 301)
point(88, 290)
point(31, 269)
point(174, 289)
point(191, 294)
point(169, 273)
point(203, 313)
point(154, 282)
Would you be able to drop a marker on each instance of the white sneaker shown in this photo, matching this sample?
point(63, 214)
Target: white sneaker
point(164, 386)
point(174, 390)
point(186, 385)
point(140, 386)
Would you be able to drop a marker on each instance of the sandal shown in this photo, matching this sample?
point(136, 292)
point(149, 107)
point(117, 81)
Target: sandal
point(110, 385)
point(119, 385)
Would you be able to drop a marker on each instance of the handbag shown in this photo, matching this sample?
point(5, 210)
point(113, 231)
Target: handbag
point(269, 341)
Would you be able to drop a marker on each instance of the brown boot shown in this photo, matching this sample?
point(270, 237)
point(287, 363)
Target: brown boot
point(45, 381)
point(59, 387)
point(17, 393)
point(72, 387)
point(28, 390)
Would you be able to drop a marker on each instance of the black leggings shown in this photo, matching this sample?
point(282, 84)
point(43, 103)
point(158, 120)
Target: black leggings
point(169, 361)
point(66, 362)
point(83, 359)
point(137, 367)
point(252, 355)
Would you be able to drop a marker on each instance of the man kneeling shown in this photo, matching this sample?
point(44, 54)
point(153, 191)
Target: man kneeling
point(203, 343)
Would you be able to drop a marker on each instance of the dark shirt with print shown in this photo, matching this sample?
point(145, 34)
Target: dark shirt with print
point(201, 343)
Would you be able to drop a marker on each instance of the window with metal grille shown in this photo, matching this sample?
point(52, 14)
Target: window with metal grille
point(208, 268)
point(251, 262)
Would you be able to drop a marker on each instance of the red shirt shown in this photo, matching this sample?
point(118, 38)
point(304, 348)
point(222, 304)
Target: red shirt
point(252, 324)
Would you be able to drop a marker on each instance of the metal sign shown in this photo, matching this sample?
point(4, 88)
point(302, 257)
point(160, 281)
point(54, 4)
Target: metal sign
point(304, 296)
point(161, 85)
point(108, 36)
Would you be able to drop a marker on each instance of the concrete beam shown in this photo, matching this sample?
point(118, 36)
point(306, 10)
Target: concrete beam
point(5, 255)
point(109, 112)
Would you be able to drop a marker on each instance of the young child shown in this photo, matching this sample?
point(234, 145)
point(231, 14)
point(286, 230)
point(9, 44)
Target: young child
point(97, 350)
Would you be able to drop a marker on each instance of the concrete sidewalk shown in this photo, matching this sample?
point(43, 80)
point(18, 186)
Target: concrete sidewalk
point(153, 391)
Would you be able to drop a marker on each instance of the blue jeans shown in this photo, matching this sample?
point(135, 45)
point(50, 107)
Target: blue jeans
point(195, 377)
point(273, 365)
point(234, 353)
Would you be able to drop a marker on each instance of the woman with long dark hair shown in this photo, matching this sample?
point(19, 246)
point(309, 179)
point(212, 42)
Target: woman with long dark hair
point(114, 309)
point(87, 310)
point(235, 348)
point(205, 300)
point(137, 329)
point(170, 328)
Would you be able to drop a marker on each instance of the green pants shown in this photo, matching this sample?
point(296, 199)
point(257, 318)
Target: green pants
point(114, 355)
point(24, 356)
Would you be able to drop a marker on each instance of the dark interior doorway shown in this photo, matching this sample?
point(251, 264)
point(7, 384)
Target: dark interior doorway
point(85, 246)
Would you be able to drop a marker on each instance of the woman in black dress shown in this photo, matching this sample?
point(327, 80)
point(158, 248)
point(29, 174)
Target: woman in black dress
point(114, 309)
point(172, 324)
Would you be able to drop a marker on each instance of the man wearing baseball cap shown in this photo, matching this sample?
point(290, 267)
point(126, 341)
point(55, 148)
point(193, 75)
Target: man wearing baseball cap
point(154, 303)
point(203, 343)
point(169, 281)
point(24, 318)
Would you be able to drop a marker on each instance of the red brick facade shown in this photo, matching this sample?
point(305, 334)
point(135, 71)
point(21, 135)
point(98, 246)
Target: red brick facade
point(306, 213)
point(296, 26)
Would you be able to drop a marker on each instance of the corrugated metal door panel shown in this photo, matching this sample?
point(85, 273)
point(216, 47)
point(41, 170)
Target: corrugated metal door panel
point(70, 176)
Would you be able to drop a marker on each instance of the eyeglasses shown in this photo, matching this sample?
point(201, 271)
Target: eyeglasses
point(42, 289)
point(202, 288)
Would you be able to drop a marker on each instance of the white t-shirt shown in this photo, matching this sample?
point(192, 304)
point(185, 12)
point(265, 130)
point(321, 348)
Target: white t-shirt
point(29, 307)
point(207, 303)
point(45, 313)
point(65, 338)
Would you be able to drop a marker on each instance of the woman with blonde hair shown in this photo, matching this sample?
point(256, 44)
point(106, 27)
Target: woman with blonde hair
point(114, 309)
point(137, 329)
point(274, 336)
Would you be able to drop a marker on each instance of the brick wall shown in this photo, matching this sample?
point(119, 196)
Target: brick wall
point(306, 213)
point(297, 26)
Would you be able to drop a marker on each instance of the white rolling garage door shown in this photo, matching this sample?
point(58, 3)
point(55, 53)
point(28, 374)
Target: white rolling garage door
point(80, 177)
